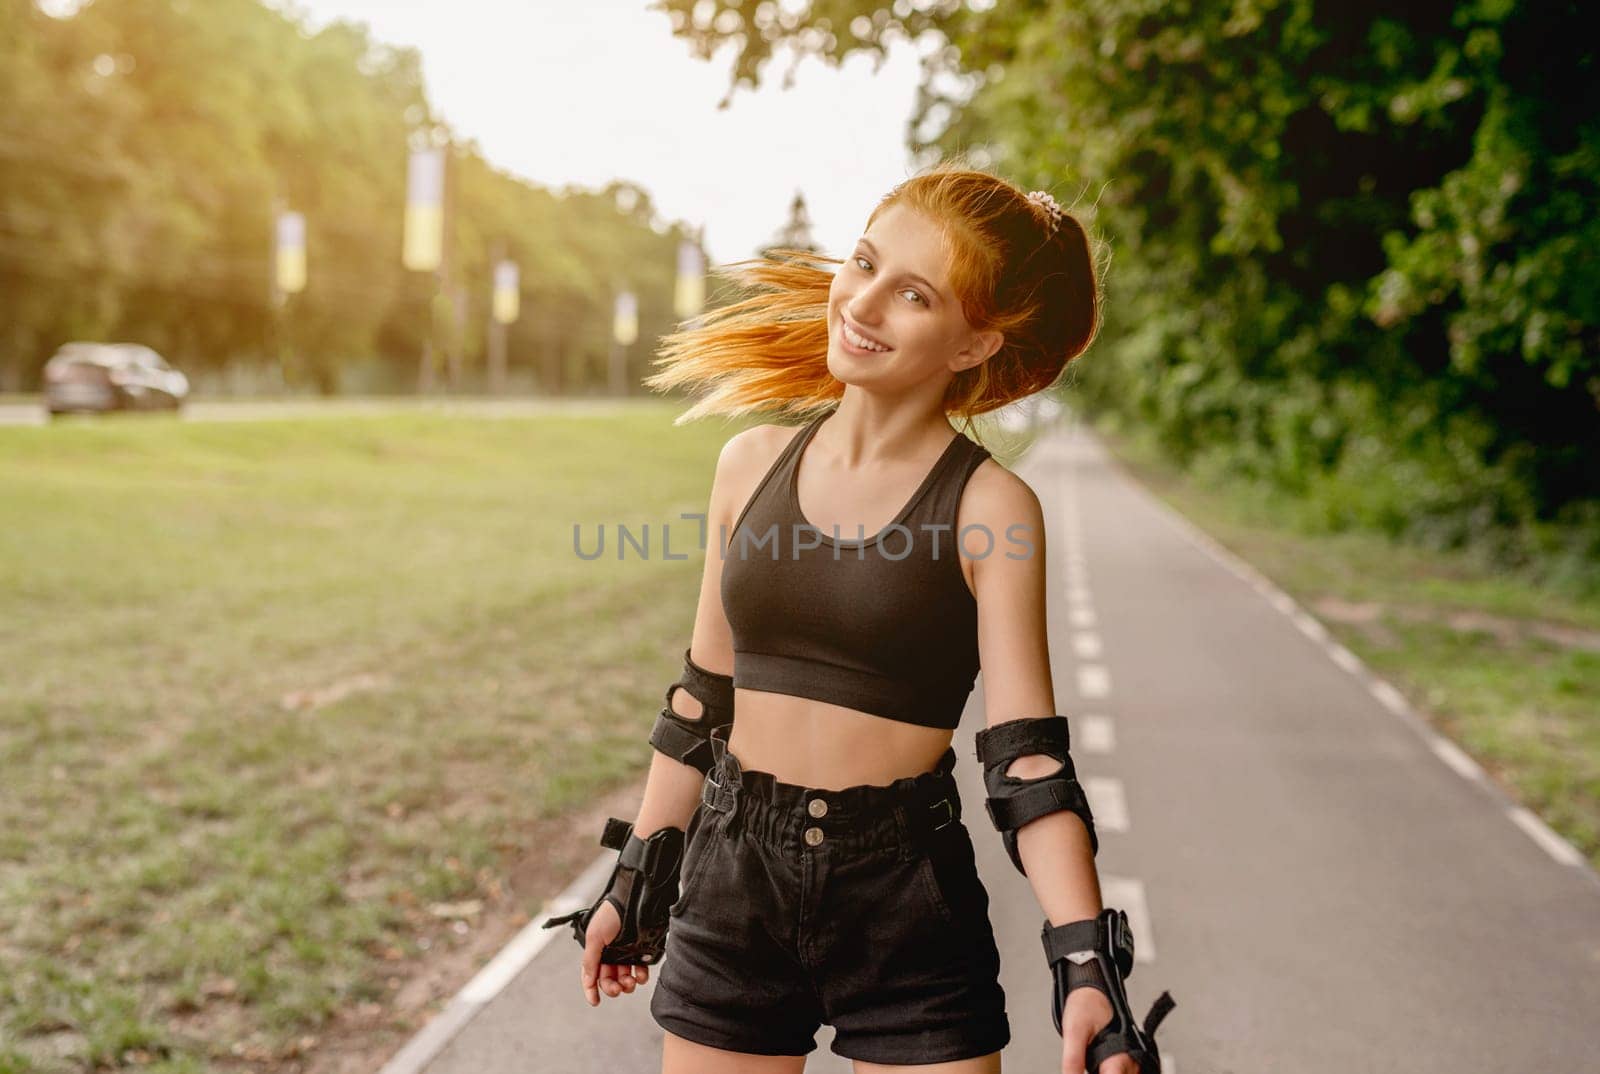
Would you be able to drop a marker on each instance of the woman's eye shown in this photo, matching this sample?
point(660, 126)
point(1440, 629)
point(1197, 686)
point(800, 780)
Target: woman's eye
point(866, 266)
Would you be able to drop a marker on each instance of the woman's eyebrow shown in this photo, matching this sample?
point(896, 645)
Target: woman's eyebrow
point(912, 275)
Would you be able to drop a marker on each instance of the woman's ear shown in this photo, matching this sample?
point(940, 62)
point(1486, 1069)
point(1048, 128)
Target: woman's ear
point(980, 347)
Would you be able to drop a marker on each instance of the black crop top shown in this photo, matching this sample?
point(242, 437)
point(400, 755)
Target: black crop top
point(882, 624)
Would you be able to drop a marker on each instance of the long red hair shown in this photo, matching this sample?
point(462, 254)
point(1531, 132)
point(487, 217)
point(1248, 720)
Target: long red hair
point(767, 352)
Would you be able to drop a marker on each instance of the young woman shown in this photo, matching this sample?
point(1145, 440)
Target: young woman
point(826, 875)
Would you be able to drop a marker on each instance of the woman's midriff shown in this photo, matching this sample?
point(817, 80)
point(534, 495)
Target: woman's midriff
point(814, 744)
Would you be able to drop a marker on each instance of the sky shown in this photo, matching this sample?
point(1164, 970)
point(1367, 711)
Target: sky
point(585, 91)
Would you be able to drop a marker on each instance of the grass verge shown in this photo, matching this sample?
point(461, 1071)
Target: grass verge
point(283, 698)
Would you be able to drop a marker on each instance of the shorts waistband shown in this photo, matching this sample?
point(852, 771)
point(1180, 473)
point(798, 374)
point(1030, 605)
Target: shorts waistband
point(900, 816)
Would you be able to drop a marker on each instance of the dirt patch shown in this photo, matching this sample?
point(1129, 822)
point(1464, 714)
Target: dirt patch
point(462, 940)
point(1368, 616)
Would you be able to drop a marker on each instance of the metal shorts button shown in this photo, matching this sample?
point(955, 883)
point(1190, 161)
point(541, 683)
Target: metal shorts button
point(813, 836)
point(817, 808)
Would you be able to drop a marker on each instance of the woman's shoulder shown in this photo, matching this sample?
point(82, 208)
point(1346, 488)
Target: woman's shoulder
point(996, 497)
point(754, 448)
point(745, 458)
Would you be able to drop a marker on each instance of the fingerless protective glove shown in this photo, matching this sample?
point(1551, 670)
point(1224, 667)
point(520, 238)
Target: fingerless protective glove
point(1107, 941)
point(643, 887)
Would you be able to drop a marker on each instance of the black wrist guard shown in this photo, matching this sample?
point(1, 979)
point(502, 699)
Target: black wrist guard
point(1012, 801)
point(643, 887)
point(1110, 940)
point(689, 740)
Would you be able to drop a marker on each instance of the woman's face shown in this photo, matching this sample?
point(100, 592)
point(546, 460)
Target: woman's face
point(894, 290)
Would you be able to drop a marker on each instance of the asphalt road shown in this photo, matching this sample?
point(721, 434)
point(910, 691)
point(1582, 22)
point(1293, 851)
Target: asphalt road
point(1322, 884)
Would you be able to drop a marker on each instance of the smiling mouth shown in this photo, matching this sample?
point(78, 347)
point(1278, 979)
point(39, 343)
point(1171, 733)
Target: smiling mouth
point(859, 341)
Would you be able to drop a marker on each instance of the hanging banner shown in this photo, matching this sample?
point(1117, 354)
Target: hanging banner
point(625, 318)
point(424, 237)
point(507, 292)
point(289, 270)
point(689, 298)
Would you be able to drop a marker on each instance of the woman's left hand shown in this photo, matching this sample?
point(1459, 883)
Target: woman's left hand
point(1086, 1013)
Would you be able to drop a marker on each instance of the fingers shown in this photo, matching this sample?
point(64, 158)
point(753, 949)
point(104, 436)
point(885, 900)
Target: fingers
point(589, 969)
point(1073, 1047)
point(1074, 1044)
point(607, 977)
point(1119, 1064)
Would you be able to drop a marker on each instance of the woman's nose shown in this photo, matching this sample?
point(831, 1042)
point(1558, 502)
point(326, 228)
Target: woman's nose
point(866, 308)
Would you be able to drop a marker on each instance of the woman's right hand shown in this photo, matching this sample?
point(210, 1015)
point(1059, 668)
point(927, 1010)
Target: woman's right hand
point(603, 926)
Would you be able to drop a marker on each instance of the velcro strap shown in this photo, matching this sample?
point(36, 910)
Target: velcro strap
point(615, 837)
point(680, 742)
point(1063, 940)
point(1021, 804)
point(632, 856)
point(1104, 1047)
point(1094, 934)
point(1016, 738)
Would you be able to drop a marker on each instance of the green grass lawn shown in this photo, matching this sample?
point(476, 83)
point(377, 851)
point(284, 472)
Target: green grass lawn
point(1502, 662)
point(275, 690)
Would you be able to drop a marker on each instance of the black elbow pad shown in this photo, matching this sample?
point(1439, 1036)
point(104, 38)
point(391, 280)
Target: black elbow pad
point(1013, 802)
point(686, 740)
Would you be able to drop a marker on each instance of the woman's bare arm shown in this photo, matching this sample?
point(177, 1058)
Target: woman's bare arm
point(672, 789)
point(1014, 651)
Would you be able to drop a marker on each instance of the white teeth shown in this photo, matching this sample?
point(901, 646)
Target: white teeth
point(864, 344)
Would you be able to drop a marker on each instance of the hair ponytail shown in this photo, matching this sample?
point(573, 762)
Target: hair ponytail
point(768, 351)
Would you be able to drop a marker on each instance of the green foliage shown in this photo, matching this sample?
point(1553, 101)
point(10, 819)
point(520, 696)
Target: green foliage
point(147, 143)
point(1354, 244)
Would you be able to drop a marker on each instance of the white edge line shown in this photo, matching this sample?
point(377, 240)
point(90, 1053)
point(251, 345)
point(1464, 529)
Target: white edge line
point(1391, 698)
point(1455, 757)
point(426, 1045)
point(1541, 833)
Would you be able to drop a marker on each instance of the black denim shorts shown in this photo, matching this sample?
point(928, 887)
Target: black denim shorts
point(860, 908)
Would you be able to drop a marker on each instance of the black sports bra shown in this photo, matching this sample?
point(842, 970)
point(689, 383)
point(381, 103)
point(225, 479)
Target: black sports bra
point(882, 624)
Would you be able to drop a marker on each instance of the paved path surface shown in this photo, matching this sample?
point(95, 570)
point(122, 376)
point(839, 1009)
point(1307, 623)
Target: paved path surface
point(1323, 885)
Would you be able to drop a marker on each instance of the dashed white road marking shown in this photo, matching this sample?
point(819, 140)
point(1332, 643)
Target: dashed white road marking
point(1081, 616)
point(1077, 594)
point(1093, 680)
point(1126, 893)
point(1107, 802)
point(1541, 833)
point(1086, 645)
point(1095, 735)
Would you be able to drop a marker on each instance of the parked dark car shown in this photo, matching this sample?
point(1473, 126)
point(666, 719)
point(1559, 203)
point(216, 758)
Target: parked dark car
point(111, 376)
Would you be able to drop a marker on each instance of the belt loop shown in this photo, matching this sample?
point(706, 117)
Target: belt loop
point(910, 844)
